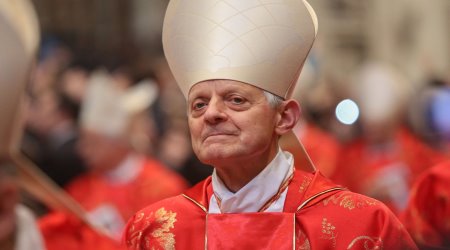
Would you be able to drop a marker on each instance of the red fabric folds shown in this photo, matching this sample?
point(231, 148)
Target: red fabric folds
point(325, 217)
point(63, 231)
point(427, 216)
point(251, 231)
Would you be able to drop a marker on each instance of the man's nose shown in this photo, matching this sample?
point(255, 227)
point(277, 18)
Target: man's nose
point(215, 112)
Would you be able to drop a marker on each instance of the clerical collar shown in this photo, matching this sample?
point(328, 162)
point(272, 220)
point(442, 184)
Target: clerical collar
point(257, 192)
point(125, 171)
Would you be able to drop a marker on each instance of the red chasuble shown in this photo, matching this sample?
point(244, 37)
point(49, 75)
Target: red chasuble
point(387, 174)
point(112, 204)
point(65, 232)
point(427, 217)
point(317, 215)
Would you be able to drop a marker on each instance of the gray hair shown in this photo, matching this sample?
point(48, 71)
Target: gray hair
point(274, 100)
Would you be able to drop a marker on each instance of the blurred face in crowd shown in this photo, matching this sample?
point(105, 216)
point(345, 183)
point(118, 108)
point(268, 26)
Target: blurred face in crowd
point(73, 83)
point(43, 113)
point(101, 153)
point(232, 121)
point(381, 129)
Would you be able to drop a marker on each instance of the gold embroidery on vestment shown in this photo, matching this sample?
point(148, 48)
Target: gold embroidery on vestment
point(328, 230)
point(305, 184)
point(302, 241)
point(349, 201)
point(317, 195)
point(135, 236)
point(162, 221)
point(135, 239)
point(163, 235)
point(139, 217)
point(369, 243)
point(305, 245)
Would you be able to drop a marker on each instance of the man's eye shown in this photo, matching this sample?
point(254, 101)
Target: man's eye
point(237, 100)
point(198, 105)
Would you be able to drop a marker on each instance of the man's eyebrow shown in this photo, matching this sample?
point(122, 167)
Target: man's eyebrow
point(233, 89)
point(195, 96)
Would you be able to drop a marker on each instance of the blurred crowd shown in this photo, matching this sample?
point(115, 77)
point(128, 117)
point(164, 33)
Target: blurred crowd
point(116, 139)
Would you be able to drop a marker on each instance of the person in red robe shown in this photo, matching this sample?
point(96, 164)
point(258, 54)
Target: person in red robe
point(111, 202)
point(264, 192)
point(427, 216)
point(386, 159)
point(386, 172)
point(19, 40)
point(120, 180)
point(317, 214)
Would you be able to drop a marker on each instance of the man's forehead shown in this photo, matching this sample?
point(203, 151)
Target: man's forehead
point(223, 85)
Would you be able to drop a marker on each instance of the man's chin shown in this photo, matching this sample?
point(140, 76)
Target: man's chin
point(217, 157)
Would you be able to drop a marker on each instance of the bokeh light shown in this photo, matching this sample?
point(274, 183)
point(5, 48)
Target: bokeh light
point(347, 112)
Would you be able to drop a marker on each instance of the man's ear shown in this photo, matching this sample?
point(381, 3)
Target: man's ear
point(289, 115)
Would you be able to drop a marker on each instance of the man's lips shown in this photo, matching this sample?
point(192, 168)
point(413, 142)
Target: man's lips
point(213, 134)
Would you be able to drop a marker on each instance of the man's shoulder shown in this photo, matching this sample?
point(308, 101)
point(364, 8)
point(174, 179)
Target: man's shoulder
point(181, 203)
point(357, 219)
point(155, 168)
point(440, 171)
point(321, 192)
point(344, 209)
point(159, 176)
point(323, 196)
point(166, 217)
point(174, 204)
point(349, 201)
point(78, 186)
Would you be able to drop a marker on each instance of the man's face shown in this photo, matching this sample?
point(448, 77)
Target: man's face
point(100, 153)
point(230, 121)
point(43, 112)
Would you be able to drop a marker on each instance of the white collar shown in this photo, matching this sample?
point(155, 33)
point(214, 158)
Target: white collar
point(126, 171)
point(258, 191)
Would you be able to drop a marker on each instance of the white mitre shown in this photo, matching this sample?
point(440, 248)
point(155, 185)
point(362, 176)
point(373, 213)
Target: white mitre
point(259, 42)
point(262, 43)
point(381, 91)
point(108, 109)
point(19, 39)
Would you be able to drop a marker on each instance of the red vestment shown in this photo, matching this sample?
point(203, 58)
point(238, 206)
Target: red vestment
point(427, 216)
point(387, 172)
point(65, 232)
point(109, 204)
point(120, 201)
point(317, 215)
point(322, 147)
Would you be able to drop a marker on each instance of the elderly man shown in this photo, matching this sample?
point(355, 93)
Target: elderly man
point(387, 158)
point(120, 180)
point(237, 62)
